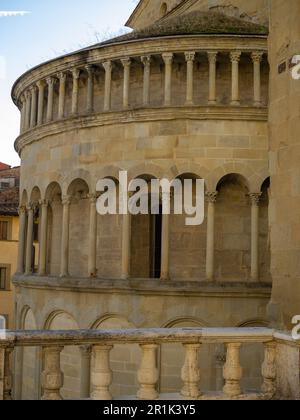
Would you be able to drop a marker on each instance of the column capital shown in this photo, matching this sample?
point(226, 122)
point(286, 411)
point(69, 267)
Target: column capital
point(22, 210)
point(235, 56)
point(257, 56)
point(75, 73)
point(44, 203)
point(212, 56)
point(93, 198)
point(41, 84)
point(66, 200)
point(90, 69)
point(85, 350)
point(146, 60)
point(27, 94)
point(50, 81)
point(255, 198)
point(168, 58)
point(211, 197)
point(62, 77)
point(190, 56)
point(126, 62)
point(30, 207)
point(33, 89)
point(107, 65)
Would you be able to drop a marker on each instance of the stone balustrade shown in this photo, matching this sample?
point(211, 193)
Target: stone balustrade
point(278, 347)
point(89, 88)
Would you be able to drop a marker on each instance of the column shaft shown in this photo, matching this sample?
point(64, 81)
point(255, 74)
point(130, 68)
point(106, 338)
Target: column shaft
point(41, 88)
point(256, 58)
point(85, 377)
point(146, 60)
point(43, 238)
point(165, 239)
point(168, 59)
point(126, 65)
point(190, 57)
point(107, 88)
point(254, 236)
point(235, 59)
point(75, 89)
point(22, 236)
point(29, 243)
point(210, 247)
point(33, 115)
point(50, 83)
point(212, 58)
point(93, 238)
point(27, 114)
point(126, 246)
point(90, 90)
point(64, 271)
point(62, 95)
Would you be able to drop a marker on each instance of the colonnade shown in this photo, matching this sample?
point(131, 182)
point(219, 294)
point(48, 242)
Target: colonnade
point(41, 93)
point(26, 238)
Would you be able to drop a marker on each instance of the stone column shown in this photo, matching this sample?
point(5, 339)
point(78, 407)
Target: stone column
point(90, 89)
point(269, 370)
point(7, 394)
point(168, 60)
point(190, 58)
point(126, 65)
point(28, 106)
point(233, 371)
point(62, 95)
point(210, 245)
point(257, 58)
point(41, 88)
point(164, 275)
point(102, 374)
point(52, 376)
point(29, 242)
point(212, 59)
point(126, 236)
point(50, 82)
point(64, 271)
point(43, 239)
point(255, 197)
point(148, 373)
point(107, 88)
point(22, 236)
point(22, 111)
point(235, 59)
point(146, 60)
point(2, 362)
point(190, 373)
point(33, 116)
point(75, 89)
point(93, 237)
point(85, 372)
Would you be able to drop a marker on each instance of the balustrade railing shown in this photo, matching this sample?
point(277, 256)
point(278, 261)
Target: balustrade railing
point(149, 340)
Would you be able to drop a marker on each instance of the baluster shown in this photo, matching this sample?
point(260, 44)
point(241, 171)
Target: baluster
point(232, 371)
point(190, 373)
point(7, 392)
point(148, 373)
point(52, 376)
point(269, 369)
point(102, 375)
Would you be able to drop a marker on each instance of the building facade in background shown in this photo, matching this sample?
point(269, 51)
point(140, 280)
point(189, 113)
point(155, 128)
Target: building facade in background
point(9, 235)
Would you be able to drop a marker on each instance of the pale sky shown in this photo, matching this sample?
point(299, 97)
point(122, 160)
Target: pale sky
point(52, 28)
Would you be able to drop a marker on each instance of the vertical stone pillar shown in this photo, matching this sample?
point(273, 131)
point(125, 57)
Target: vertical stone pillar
point(102, 374)
point(22, 236)
point(41, 88)
point(190, 58)
point(75, 90)
point(43, 238)
point(7, 394)
point(50, 82)
point(126, 65)
point(90, 89)
point(235, 57)
point(29, 242)
point(33, 115)
point(64, 271)
point(233, 371)
point(148, 373)
point(257, 58)
point(2, 361)
point(107, 88)
point(28, 106)
point(146, 60)
point(93, 237)
point(269, 370)
point(210, 245)
point(85, 372)
point(165, 240)
point(22, 111)
point(126, 254)
point(168, 60)
point(52, 376)
point(190, 373)
point(62, 95)
point(212, 59)
point(255, 197)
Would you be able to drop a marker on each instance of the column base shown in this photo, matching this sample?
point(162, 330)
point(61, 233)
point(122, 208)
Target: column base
point(235, 103)
point(258, 104)
point(211, 103)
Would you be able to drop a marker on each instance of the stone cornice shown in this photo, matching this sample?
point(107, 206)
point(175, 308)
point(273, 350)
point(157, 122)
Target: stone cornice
point(146, 287)
point(141, 115)
point(153, 46)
